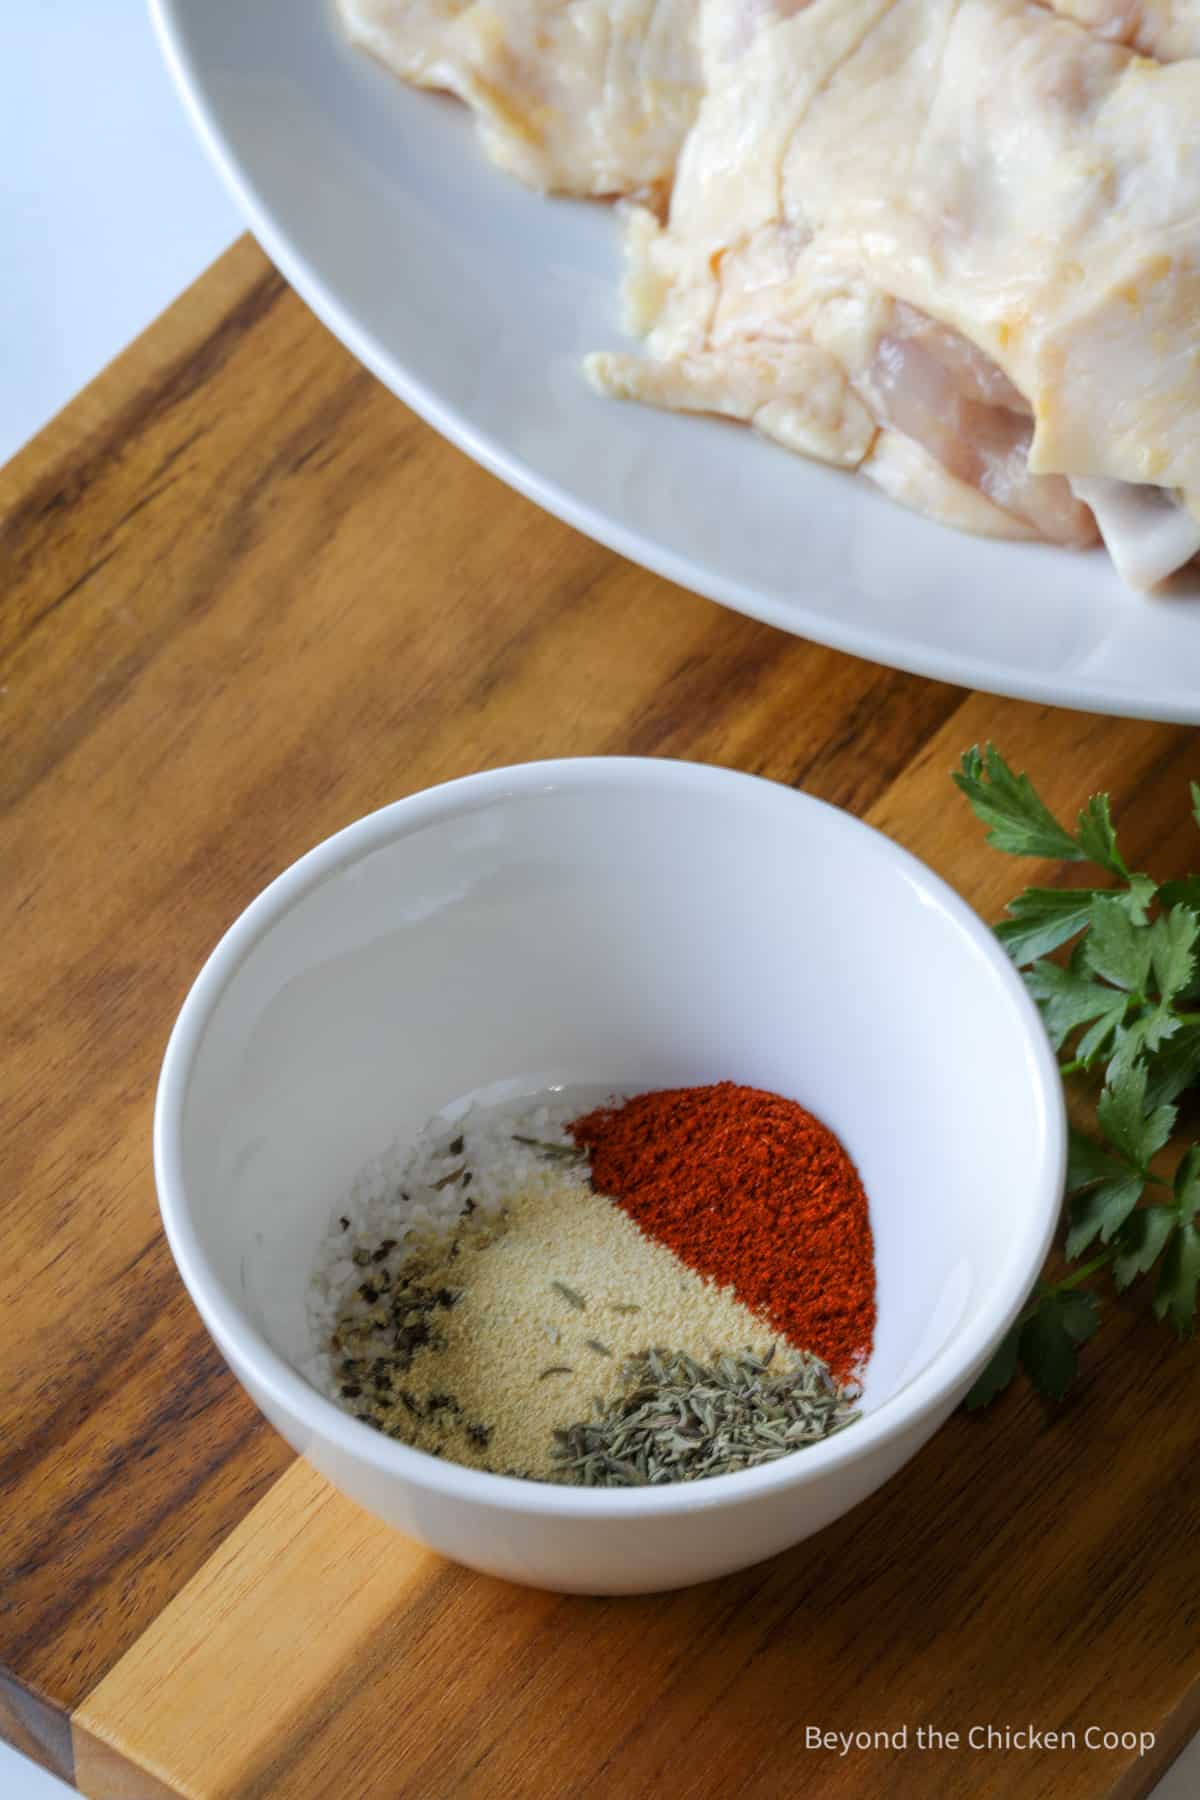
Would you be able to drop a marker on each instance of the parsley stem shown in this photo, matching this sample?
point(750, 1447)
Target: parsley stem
point(1073, 1280)
point(1079, 1275)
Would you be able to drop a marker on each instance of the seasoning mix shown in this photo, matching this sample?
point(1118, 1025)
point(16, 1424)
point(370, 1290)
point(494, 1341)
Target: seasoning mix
point(658, 1289)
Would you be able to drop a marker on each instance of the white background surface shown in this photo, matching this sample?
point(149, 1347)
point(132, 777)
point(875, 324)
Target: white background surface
point(107, 206)
point(107, 210)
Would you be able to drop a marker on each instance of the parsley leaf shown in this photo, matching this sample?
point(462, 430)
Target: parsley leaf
point(1147, 1231)
point(1020, 823)
point(1050, 1340)
point(1172, 953)
point(1088, 1162)
point(1187, 1185)
point(1103, 1192)
point(1141, 1242)
point(1175, 1297)
point(1068, 1000)
point(1041, 919)
point(1137, 1134)
point(1141, 1037)
point(1115, 971)
point(1097, 839)
point(1139, 896)
point(1176, 1067)
point(1045, 1340)
point(1115, 947)
point(1102, 1210)
point(997, 1372)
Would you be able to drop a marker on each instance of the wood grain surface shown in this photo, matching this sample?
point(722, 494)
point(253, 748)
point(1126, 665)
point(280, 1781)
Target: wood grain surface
point(247, 597)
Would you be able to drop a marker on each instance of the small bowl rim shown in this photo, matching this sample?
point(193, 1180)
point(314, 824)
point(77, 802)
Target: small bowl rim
point(926, 1395)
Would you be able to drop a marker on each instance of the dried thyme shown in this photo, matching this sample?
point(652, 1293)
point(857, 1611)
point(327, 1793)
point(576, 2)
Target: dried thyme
point(570, 1296)
point(682, 1420)
point(569, 1153)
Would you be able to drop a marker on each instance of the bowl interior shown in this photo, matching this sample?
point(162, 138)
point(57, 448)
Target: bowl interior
point(637, 930)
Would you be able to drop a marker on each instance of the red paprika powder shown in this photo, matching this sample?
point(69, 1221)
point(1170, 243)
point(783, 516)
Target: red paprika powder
point(750, 1190)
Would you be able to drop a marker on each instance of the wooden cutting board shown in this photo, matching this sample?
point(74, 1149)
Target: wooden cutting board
point(248, 597)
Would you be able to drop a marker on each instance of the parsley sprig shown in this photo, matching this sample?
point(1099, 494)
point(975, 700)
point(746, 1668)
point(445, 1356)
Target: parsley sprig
point(1113, 969)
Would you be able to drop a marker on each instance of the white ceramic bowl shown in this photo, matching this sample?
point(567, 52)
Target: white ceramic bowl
point(643, 924)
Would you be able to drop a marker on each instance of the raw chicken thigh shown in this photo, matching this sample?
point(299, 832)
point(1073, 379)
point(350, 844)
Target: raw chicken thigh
point(951, 244)
point(1167, 29)
point(572, 96)
point(954, 244)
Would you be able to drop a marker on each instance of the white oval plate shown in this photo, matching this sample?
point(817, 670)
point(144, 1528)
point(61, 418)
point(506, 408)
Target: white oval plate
point(474, 300)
